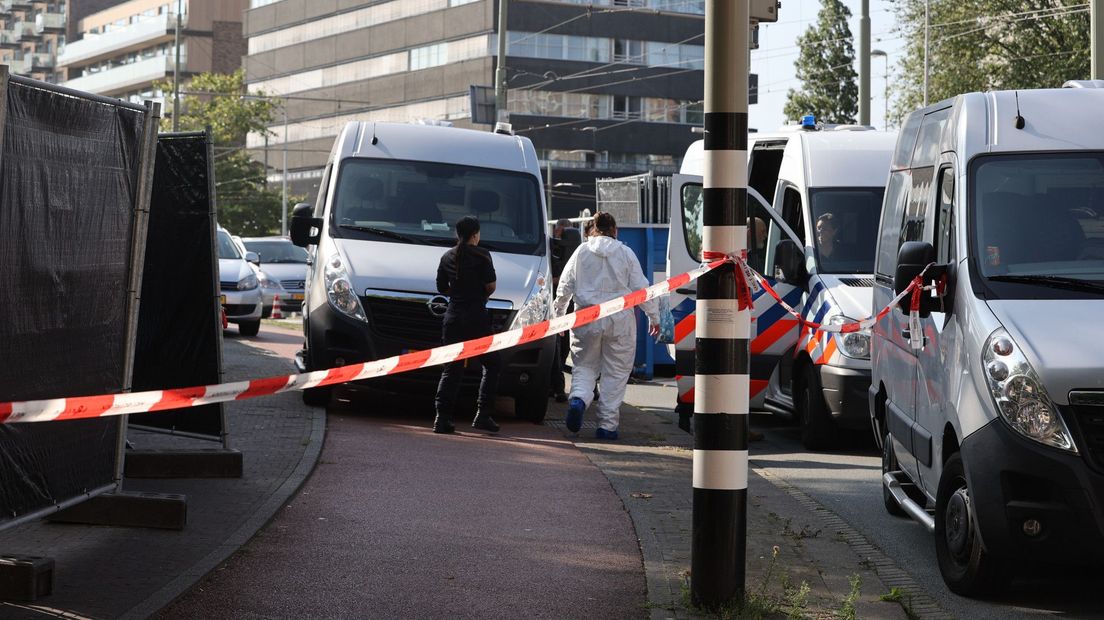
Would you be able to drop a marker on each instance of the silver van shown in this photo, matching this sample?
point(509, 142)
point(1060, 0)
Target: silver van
point(390, 196)
point(991, 419)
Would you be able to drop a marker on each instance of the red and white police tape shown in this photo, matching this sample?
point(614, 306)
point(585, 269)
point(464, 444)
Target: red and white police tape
point(79, 407)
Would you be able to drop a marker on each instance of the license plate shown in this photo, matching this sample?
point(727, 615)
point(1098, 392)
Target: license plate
point(297, 296)
point(222, 299)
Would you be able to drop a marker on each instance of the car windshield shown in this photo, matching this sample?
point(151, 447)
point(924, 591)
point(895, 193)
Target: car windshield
point(226, 247)
point(420, 202)
point(1040, 219)
point(277, 251)
point(846, 227)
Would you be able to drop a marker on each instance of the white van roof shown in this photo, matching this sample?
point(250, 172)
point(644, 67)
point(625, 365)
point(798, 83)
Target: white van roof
point(834, 158)
point(448, 145)
point(1058, 119)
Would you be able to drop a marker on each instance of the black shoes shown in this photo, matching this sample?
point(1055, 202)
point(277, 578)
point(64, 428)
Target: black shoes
point(443, 426)
point(561, 397)
point(484, 423)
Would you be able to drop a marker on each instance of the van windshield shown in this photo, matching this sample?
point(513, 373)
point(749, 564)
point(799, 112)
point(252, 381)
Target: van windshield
point(277, 251)
point(1038, 219)
point(845, 227)
point(420, 202)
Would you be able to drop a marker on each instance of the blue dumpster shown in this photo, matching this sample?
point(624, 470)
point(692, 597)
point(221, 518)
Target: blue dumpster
point(649, 243)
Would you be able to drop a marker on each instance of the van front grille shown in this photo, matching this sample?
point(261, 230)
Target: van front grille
point(867, 282)
point(411, 324)
point(1090, 426)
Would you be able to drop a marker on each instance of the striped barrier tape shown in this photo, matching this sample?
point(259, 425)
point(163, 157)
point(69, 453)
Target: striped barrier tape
point(80, 407)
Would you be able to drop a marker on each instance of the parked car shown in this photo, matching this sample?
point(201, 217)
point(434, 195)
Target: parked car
point(240, 285)
point(990, 407)
point(815, 192)
point(270, 287)
point(285, 264)
point(389, 199)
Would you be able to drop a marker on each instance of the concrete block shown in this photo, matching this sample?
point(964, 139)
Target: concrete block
point(198, 463)
point(165, 511)
point(25, 577)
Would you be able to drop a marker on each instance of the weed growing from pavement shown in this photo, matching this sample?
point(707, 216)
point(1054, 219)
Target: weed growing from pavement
point(902, 598)
point(758, 603)
point(847, 610)
point(804, 532)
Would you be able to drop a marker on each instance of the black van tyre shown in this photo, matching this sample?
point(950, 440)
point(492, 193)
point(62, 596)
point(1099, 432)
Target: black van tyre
point(249, 328)
point(818, 432)
point(317, 396)
point(531, 401)
point(889, 463)
point(967, 568)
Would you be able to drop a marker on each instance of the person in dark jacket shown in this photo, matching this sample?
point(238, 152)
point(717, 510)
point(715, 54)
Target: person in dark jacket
point(466, 274)
point(563, 246)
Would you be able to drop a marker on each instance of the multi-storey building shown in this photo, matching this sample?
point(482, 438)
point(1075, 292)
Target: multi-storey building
point(602, 87)
point(30, 37)
point(123, 50)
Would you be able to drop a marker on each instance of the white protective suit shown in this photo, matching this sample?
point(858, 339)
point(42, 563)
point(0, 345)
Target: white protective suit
point(602, 269)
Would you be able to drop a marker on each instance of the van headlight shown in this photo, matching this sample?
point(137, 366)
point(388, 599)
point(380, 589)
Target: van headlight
point(538, 307)
point(1019, 394)
point(855, 344)
point(340, 291)
point(248, 283)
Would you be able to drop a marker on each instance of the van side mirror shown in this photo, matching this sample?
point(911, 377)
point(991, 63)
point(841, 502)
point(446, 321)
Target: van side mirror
point(912, 258)
point(253, 257)
point(305, 228)
point(789, 259)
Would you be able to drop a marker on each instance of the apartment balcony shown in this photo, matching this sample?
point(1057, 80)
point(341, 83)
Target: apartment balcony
point(7, 6)
point(123, 78)
point(26, 31)
point(49, 23)
point(9, 40)
point(93, 47)
point(35, 63)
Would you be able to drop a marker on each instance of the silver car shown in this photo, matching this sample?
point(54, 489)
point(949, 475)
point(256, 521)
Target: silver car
point(239, 286)
point(284, 263)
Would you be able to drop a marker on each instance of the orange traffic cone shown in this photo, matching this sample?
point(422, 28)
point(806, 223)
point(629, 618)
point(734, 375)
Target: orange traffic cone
point(276, 314)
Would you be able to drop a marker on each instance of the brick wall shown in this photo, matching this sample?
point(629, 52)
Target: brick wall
point(229, 46)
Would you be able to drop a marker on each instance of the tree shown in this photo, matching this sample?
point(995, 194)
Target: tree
point(245, 205)
point(825, 66)
point(979, 45)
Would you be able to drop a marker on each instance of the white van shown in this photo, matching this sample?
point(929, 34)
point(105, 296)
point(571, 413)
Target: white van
point(992, 428)
point(390, 196)
point(809, 173)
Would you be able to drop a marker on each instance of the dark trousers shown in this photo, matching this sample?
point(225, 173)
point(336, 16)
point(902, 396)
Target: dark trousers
point(459, 329)
point(558, 385)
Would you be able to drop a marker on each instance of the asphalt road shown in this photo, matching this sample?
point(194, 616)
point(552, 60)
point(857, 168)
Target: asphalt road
point(849, 483)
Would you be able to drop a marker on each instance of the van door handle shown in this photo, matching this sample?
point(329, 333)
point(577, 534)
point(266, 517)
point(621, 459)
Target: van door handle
point(686, 291)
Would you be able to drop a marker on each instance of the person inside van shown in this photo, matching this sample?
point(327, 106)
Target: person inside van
point(600, 270)
point(466, 274)
point(826, 235)
point(757, 244)
point(563, 246)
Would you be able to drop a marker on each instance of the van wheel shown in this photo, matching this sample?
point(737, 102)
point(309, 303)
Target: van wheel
point(967, 568)
point(249, 328)
point(889, 463)
point(818, 432)
point(318, 396)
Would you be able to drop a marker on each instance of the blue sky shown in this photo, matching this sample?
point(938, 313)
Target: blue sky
point(774, 60)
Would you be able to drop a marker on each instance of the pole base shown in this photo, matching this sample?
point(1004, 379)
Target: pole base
point(164, 511)
point(25, 578)
point(201, 463)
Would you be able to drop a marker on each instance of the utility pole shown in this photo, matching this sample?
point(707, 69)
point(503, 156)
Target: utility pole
point(176, 71)
point(864, 64)
point(719, 539)
point(548, 186)
point(927, 46)
point(500, 71)
point(1096, 35)
point(283, 209)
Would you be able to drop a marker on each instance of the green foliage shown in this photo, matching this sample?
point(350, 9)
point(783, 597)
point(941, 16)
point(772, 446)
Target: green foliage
point(246, 206)
point(825, 66)
point(847, 610)
point(979, 45)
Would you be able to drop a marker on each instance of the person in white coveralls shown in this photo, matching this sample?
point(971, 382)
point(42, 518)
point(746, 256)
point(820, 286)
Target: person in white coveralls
point(602, 269)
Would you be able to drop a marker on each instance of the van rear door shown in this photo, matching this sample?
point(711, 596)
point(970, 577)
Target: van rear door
point(684, 234)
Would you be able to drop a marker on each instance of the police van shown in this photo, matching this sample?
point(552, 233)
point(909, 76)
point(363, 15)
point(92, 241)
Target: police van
point(814, 196)
point(385, 214)
point(989, 405)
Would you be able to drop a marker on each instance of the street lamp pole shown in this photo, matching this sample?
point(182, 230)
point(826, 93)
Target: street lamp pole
point(500, 71)
point(864, 64)
point(1096, 38)
point(885, 57)
point(176, 71)
point(283, 210)
point(927, 46)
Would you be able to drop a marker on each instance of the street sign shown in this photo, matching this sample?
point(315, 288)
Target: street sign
point(764, 10)
point(482, 104)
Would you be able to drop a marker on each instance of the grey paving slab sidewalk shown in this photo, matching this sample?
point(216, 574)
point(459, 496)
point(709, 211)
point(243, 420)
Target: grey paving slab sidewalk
point(792, 540)
point(107, 572)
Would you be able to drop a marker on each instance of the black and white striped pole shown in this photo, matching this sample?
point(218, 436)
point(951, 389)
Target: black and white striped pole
point(721, 380)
